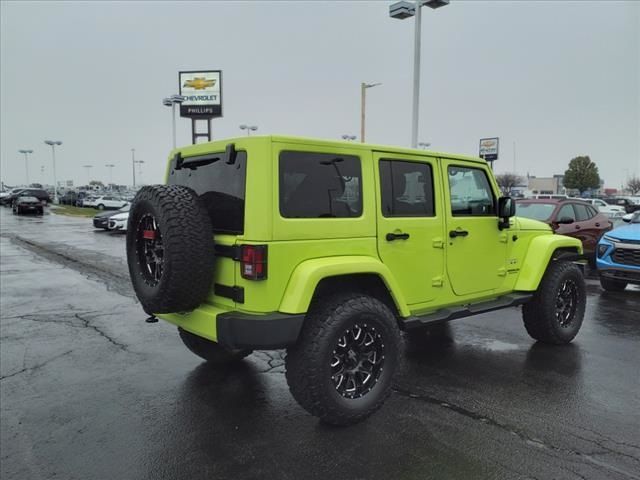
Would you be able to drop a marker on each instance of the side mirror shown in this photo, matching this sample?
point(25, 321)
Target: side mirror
point(506, 207)
point(565, 221)
point(506, 210)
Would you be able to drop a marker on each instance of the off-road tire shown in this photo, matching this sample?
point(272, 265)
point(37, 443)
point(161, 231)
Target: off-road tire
point(308, 362)
point(539, 313)
point(211, 351)
point(611, 285)
point(188, 249)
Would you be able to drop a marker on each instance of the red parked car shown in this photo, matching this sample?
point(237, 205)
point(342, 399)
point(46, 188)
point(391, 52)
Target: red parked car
point(568, 217)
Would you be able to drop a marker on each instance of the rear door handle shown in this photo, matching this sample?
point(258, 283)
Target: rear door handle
point(396, 236)
point(458, 233)
point(597, 224)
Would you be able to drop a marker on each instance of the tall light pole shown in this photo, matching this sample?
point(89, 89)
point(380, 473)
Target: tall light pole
point(53, 144)
point(348, 137)
point(424, 145)
point(26, 162)
point(133, 165)
point(172, 101)
point(88, 167)
point(110, 167)
point(363, 102)
point(249, 128)
point(400, 11)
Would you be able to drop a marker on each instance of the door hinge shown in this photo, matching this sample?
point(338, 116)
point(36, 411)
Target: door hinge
point(438, 243)
point(502, 272)
point(437, 282)
point(503, 238)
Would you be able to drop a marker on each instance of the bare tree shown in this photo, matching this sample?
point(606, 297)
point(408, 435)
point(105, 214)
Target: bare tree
point(506, 181)
point(633, 184)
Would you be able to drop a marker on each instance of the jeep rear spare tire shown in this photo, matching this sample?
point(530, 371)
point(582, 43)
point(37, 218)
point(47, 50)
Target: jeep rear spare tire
point(170, 249)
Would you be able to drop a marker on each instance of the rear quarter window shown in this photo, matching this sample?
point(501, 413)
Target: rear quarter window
point(319, 185)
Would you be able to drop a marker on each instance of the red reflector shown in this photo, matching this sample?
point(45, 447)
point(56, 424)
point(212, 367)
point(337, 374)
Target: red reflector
point(253, 260)
point(149, 234)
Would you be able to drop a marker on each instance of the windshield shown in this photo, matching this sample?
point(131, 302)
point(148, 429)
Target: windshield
point(536, 211)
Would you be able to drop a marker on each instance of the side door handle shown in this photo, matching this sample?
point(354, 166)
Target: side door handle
point(396, 236)
point(597, 224)
point(458, 233)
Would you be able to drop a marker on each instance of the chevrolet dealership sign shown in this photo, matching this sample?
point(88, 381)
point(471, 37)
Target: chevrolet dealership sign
point(203, 94)
point(489, 148)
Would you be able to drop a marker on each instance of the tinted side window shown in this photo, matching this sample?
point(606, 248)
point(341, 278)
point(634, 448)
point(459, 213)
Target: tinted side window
point(407, 189)
point(566, 211)
point(471, 193)
point(320, 185)
point(222, 188)
point(582, 212)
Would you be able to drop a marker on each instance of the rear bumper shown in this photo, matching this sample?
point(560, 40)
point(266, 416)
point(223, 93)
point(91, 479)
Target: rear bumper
point(235, 329)
point(268, 332)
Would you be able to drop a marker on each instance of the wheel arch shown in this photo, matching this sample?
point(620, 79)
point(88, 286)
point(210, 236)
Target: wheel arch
point(542, 250)
point(320, 277)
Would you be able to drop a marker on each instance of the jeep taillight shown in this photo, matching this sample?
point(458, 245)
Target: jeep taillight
point(253, 262)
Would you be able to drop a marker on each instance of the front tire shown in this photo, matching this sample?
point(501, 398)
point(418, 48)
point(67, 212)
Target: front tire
point(211, 351)
point(341, 368)
point(101, 207)
point(555, 313)
point(611, 285)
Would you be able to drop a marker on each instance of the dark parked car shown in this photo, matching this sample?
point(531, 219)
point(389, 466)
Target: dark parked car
point(568, 217)
point(38, 193)
point(629, 205)
point(24, 204)
point(101, 220)
point(69, 198)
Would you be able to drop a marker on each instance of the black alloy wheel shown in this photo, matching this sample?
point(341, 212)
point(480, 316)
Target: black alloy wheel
point(566, 302)
point(358, 360)
point(150, 249)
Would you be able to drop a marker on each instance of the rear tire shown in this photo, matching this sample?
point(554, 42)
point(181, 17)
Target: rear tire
point(555, 313)
point(341, 368)
point(611, 285)
point(211, 351)
point(101, 207)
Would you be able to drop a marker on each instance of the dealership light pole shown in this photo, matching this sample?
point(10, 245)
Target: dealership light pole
point(424, 145)
point(110, 167)
point(53, 144)
point(349, 137)
point(400, 11)
point(26, 162)
point(249, 128)
point(363, 102)
point(88, 167)
point(172, 101)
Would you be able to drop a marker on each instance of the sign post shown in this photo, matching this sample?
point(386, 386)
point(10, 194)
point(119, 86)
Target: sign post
point(489, 149)
point(202, 90)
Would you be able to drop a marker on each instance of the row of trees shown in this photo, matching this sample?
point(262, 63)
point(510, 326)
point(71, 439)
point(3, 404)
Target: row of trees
point(581, 175)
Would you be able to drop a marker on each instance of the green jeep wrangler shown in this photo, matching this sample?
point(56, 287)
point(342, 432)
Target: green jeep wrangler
point(331, 249)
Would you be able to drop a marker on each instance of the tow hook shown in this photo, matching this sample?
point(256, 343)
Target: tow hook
point(151, 319)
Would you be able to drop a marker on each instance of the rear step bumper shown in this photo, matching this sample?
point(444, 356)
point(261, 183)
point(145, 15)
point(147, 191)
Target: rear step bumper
point(271, 331)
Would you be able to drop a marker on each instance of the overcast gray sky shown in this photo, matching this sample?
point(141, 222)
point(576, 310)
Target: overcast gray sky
point(559, 78)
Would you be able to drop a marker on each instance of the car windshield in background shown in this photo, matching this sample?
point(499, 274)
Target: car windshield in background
point(26, 199)
point(536, 211)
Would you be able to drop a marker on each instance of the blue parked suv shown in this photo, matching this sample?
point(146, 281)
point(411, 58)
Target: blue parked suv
point(618, 256)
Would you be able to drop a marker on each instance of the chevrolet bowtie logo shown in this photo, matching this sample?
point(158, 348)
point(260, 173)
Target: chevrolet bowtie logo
point(199, 83)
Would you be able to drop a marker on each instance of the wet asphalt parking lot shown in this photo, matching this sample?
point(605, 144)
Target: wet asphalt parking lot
point(88, 390)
